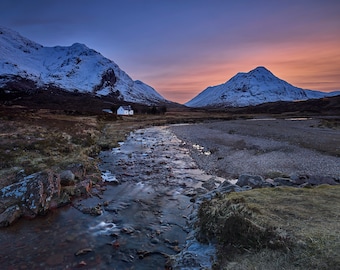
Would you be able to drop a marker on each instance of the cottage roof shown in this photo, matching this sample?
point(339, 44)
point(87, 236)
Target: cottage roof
point(126, 107)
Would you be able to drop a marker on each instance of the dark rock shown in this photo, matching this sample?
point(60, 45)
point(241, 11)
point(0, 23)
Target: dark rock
point(188, 260)
point(10, 215)
point(281, 181)
point(254, 181)
point(82, 188)
point(143, 253)
point(295, 178)
point(200, 190)
point(67, 178)
point(93, 211)
point(313, 180)
point(271, 182)
point(321, 180)
point(155, 241)
point(227, 187)
point(210, 184)
point(78, 170)
point(108, 80)
point(35, 195)
point(83, 251)
point(245, 188)
point(127, 230)
point(190, 193)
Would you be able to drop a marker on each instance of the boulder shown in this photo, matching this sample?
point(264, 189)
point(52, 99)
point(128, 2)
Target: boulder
point(67, 178)
point(282, 181)
point(227, 187)
point(210, 184)
point(32, 196)
point(253, 181)
point(78, 170)
point(313, 180)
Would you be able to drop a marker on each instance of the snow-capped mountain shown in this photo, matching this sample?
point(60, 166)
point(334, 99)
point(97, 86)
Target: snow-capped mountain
point(255, 87)
point(75, 68)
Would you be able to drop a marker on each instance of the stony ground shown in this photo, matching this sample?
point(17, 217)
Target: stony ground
point(268, 147)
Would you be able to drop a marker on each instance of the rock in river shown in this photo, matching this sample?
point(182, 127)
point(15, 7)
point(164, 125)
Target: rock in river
point(34, 195)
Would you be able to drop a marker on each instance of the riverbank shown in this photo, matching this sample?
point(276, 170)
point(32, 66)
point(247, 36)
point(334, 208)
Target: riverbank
point(269, 227)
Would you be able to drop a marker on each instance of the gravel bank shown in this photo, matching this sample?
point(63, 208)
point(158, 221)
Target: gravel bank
point(268, 147)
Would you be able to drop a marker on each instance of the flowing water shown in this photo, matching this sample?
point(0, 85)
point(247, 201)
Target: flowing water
point(145, 208)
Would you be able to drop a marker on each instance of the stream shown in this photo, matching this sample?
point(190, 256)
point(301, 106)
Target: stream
point(150, 181)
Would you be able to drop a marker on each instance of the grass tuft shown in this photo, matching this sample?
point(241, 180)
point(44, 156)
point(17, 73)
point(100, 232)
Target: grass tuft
point(254, 229)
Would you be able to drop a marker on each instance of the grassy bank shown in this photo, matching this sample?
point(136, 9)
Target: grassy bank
point(33, 140)
point(274, 228)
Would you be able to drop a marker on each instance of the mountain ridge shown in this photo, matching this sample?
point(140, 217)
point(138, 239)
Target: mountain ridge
point(74, 68)
point(252, 88)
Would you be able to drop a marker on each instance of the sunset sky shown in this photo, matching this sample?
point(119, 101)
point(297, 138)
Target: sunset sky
point(180, 47)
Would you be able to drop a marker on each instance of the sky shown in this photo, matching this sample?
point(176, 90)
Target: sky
point(181, 47)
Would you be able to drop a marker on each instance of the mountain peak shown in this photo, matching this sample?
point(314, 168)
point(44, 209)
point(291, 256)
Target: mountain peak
point(72, 68)
point(255, 87)
point(258, 72)
point(261, 70)
point(79, 46)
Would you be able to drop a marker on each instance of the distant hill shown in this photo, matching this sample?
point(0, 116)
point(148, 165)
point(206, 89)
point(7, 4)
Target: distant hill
point(312, 107)
point(28, 66)
point(255, 87)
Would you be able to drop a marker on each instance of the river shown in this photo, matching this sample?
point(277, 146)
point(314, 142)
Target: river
point(146, 207)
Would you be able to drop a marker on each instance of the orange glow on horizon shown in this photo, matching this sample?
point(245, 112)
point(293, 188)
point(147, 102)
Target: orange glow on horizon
point(314, 67)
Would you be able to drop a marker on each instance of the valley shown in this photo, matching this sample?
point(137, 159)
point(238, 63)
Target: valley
point(145, 215)
point(243, 176)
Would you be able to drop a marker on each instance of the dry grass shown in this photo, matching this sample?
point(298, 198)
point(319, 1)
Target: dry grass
point(34, 140)
point(275, 228)
point(333, 123)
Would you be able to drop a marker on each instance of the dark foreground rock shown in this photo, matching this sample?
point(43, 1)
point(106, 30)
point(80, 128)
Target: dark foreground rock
point(32, 196)
point(252, 181)
point(37, 193)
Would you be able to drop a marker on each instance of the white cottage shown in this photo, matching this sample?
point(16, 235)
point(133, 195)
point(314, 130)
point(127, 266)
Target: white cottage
point(125, 110)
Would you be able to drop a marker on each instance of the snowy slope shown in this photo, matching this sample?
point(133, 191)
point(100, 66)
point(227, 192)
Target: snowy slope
point(73, 68)
point(252, 88)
